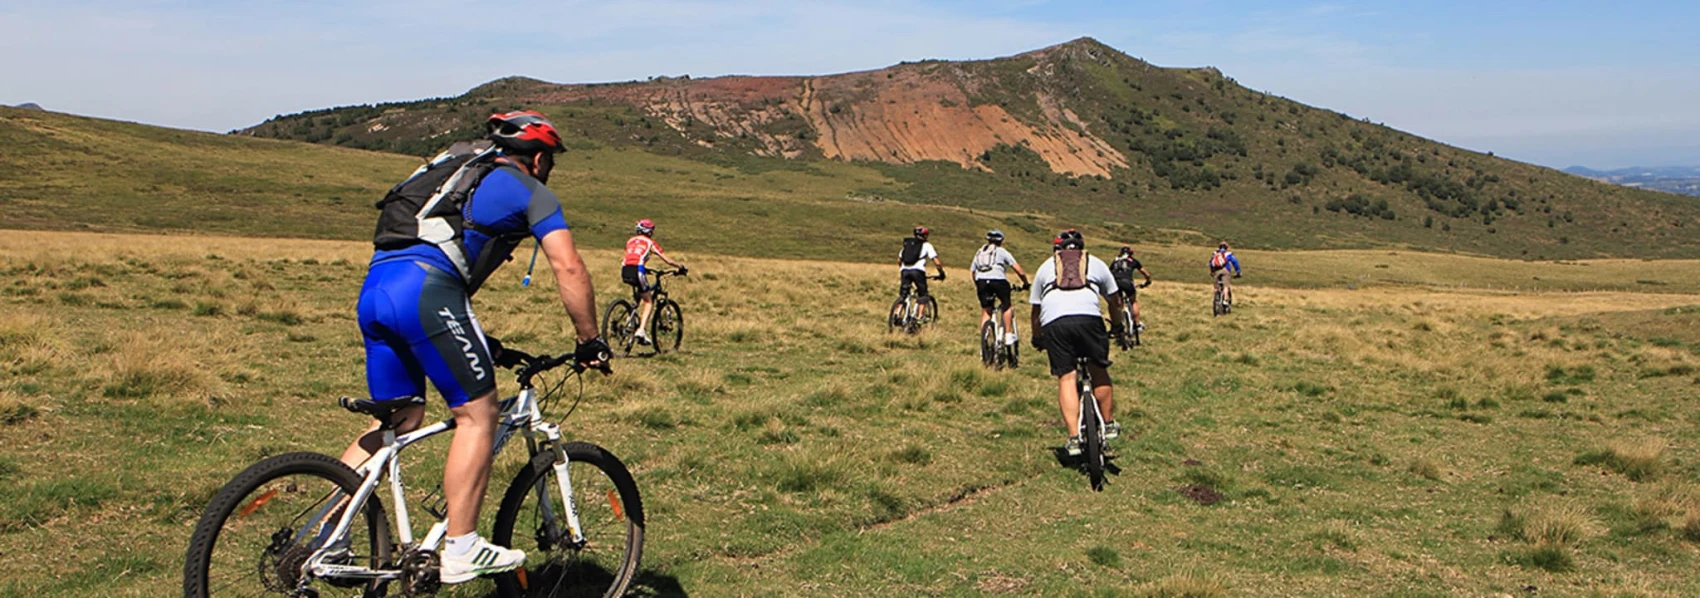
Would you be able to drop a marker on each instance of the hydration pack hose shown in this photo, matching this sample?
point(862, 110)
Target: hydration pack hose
point(526, 282)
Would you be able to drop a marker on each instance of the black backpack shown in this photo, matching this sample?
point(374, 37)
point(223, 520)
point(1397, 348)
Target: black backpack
point(911, 250)
point(427, 208)
point(1122, 268)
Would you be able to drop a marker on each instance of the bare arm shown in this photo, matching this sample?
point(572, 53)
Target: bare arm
point(1017, 267)
point(573, 282)
point(1147, 274)
point(940, 266)
point(1034, 324)
point(669, 260)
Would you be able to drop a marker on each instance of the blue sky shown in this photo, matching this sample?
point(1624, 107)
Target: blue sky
point(1555, 83)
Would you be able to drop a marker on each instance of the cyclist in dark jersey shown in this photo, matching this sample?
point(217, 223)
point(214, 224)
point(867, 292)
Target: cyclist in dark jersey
point(1123, 268)
point(416, 316)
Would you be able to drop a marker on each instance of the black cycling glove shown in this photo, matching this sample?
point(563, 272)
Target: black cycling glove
point(683, 270)
point(503, 357)
point(593, 353)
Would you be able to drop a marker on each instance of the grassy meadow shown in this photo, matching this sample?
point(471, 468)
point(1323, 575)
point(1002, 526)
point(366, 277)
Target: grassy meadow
point(1365, 423)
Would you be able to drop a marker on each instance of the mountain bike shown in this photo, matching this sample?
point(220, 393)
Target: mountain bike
point(1129, 338)
point(620, 321)
point(1093, 445)
point(911, 312)
point(994, 352)
point(1221, 304)
point(304, 524)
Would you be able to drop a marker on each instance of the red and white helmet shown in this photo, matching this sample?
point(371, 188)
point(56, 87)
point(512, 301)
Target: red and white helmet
point(645, 227)
point(524, 132)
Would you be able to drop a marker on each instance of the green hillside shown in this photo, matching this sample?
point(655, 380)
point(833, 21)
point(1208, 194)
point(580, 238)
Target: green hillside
point(1202, 154)
point(66, 172)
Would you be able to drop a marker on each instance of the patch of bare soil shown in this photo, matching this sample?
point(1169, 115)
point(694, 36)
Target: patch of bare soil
point(1201, 494)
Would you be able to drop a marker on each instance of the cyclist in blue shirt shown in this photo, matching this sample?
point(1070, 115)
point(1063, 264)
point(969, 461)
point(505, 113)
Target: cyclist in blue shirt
point(416, 316)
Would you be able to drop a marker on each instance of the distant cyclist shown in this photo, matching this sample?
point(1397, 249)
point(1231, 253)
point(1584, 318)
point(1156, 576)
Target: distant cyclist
point(639, 248)
point(991, 281)
point(1069, 324)
point(1123, 268)
point(1219, 264)
point(912, 263)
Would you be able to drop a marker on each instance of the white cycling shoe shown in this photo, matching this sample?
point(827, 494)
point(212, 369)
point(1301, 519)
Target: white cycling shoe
point(1010, 339)
point(484, 559)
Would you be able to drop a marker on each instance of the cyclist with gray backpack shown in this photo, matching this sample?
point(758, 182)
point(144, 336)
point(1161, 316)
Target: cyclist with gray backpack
point(991, 281)
point(1068, 326)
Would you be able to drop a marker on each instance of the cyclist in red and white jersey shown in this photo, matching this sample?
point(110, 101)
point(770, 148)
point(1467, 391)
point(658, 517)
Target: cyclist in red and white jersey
point(639, 248)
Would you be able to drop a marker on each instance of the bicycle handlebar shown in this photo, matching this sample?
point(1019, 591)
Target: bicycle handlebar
point(528, 365)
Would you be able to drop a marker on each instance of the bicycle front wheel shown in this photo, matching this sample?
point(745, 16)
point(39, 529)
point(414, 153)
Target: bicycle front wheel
point(928, 309)
point(258, 531)
point(667, 327)
point(616, 328)
point(532, 519)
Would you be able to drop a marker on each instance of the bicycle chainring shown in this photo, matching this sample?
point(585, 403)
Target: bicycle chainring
point(419, 575)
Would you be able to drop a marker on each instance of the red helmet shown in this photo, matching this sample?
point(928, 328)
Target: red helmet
point(524, 132)
point(922, 231)
point(645, 227)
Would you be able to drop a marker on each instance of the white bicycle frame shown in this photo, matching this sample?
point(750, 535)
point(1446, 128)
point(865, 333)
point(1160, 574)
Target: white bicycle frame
point(523, 414)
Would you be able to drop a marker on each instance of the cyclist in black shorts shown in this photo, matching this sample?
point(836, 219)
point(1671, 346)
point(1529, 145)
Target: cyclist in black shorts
point(1068, 324)
point(991, 281)
point(1123, 268)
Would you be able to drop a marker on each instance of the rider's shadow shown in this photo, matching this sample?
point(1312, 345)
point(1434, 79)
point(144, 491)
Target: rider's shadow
point(647, 583)
point(1078, 463)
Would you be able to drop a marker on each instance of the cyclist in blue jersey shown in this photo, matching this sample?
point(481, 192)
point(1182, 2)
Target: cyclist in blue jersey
point(1219, 264)
point(416, 316)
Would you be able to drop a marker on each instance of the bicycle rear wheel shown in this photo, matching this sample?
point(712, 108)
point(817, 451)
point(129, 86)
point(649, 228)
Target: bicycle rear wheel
point(610, 513)
point(927, 312)
point(667, 327)
point(1092, 438)
point(616, 326)
point(1217, 306)
point(989, 344)
point(260, 528)
point(894, 318)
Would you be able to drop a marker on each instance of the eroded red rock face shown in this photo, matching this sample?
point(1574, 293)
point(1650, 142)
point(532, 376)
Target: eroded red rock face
point(903, 114)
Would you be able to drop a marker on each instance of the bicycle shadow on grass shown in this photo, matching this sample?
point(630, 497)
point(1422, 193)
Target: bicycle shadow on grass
point(590, 580)
point(1078, 462)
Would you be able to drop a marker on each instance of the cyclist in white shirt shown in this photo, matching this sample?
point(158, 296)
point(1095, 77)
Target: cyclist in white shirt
point(912, 263)
point(1068, 324)
point(991, 281)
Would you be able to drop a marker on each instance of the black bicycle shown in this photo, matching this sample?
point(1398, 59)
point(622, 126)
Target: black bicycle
point(305, 524)
point(1129, 338)
point(621, 321)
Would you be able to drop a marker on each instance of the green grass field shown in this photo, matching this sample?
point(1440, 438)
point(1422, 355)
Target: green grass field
point(1439, 426)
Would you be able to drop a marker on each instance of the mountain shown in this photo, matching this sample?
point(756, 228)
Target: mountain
point(1684, 180)
point(1080, 131)
point(29, 106)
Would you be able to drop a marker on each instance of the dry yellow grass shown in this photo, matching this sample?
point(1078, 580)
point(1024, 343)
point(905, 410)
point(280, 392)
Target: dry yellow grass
point(794, 443)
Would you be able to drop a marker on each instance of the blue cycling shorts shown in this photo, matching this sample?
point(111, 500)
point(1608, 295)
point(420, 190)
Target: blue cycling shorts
point(417, 322)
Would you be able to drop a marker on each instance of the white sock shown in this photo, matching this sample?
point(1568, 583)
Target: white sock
point(459, 545)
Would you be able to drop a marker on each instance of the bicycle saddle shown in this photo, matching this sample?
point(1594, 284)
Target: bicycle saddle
point(383, 411)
